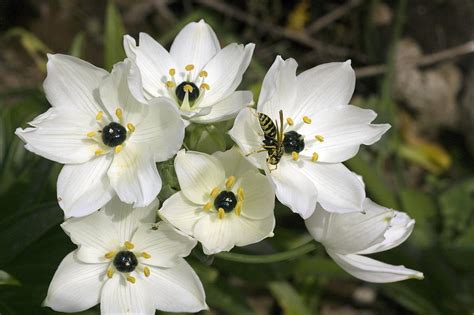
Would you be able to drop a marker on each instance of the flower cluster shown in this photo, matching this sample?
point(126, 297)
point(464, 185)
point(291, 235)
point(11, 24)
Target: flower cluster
point(110, 129)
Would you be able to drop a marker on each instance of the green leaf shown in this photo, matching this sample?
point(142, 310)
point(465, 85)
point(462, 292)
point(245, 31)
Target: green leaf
point(113, 40)
point(7, 279)
point(205, 138)
point(409, 298)
point(33, 46)
point(289, 299)
point(77, 47)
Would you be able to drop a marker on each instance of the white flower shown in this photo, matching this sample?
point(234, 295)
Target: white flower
point(224, 201)
point(196, 74)
point(319, 132)
point(348, 236)
point(126, 263)
point(108, 140)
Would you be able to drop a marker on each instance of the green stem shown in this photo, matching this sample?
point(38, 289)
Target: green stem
point(272, 258)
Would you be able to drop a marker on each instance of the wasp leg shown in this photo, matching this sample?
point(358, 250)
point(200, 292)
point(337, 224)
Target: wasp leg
point(256, 151)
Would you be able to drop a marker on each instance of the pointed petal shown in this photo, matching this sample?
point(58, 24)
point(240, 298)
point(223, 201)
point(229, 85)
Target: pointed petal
point(84, 188)
point(234, 162)
point(259, 200)
point(60, 134)
point(134, 176)
point(181, 213)
point(225, 72)
point(195, 44)
point(177, 289)
point(226, 108)
point(198, 174)
point(327, 85)
point(72, 83)
point(339, 190)
point(75, 286)
point(294, 188)
point(371, 270)
point(164, 244)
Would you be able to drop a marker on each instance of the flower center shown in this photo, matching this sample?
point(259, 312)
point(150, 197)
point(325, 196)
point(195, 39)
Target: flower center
point(187, 87)
point(293, 142)
point(114, 134)
point(225, 200)
point(125, 261)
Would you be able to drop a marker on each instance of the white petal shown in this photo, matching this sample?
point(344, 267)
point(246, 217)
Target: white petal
point(259, 200)
point(294, 188)
point(177, 289)
point(121, 297)
point(349, 232)
point(339, 190)
point(326, 85)
point(279, 90)
point(248, 135)
point(127, 219)
point(198, 174)
point(226, 108)
point(181, 212)
point(251, 231)
point(217, 235)
point(371, 270)
point(225, 72)
point(234, 162)
point(134, 176)
point(71, 82)
point(344, 129)
point(153, 61)
point(75, 286)
point(162, 129)
point(195, 44)
point(164, 244)
point(60, 134)
point(84, 188)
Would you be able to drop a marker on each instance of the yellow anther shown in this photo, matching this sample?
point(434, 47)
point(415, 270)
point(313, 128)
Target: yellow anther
point(109, 255)
point(99, 116)
point(240, 194)
point(315, 157)
point(295, 155)
point(110, 272)
point(99, 152)
point(128, 245)
point(290, 121)
point(238, 208)
point(119, 113)
point(307, 120)
point(131, 279)
point(146, 255)
point(91, 134)
point(207, 206)
point(170, 84)
point(118, 148)
point(146, 271)
point(131, 127)
point(189, 67)
point(205, 86)
point(214, 192)
point(187, 88)
point(220, 213)
point(203, 74)
point(229, 182)
point(172, 72)
point(319, 138)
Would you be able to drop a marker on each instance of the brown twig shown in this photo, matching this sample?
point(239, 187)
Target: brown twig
point(332, 16)
point(421, 61)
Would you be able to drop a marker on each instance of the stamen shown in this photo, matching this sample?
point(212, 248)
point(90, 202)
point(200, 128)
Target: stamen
point(146, 255)
point(315, 157)
point(240, 194)
point(110, 272)
point(214, 192)
point(131, 279)
point(170, 84)
point(131, 127)
point(229, 182)
point(207, 206)
point(128, 245)
point(109, 255)
point(221, 213)
point(189, 67)
point(91, 134)
point(203, 74)
point(295, 155)
point(118, 148)
point(319, 138)
point(99, 152)
point(99, 116)
point(146, 271)
point(290, 121)
point(188, 88)
point(238, 208)
point(172, 72)
point(118, 113)
point(205, 86)
point(307, 120)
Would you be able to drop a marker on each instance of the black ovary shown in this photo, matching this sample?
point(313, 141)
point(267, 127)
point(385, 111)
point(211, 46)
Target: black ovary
point(114, 134)
point(181, 93)
point(293, 142)
point(225, 200)
point(125, 261)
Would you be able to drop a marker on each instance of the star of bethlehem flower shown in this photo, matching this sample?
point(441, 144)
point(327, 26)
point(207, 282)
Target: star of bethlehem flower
point(196, 73)
point(127, 263)
point(349, 236)
point(224, 201)
point(302, 130)
point(108, 140)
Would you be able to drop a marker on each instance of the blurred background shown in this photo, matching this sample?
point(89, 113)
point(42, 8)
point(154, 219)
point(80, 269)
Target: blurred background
point(415, 67)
